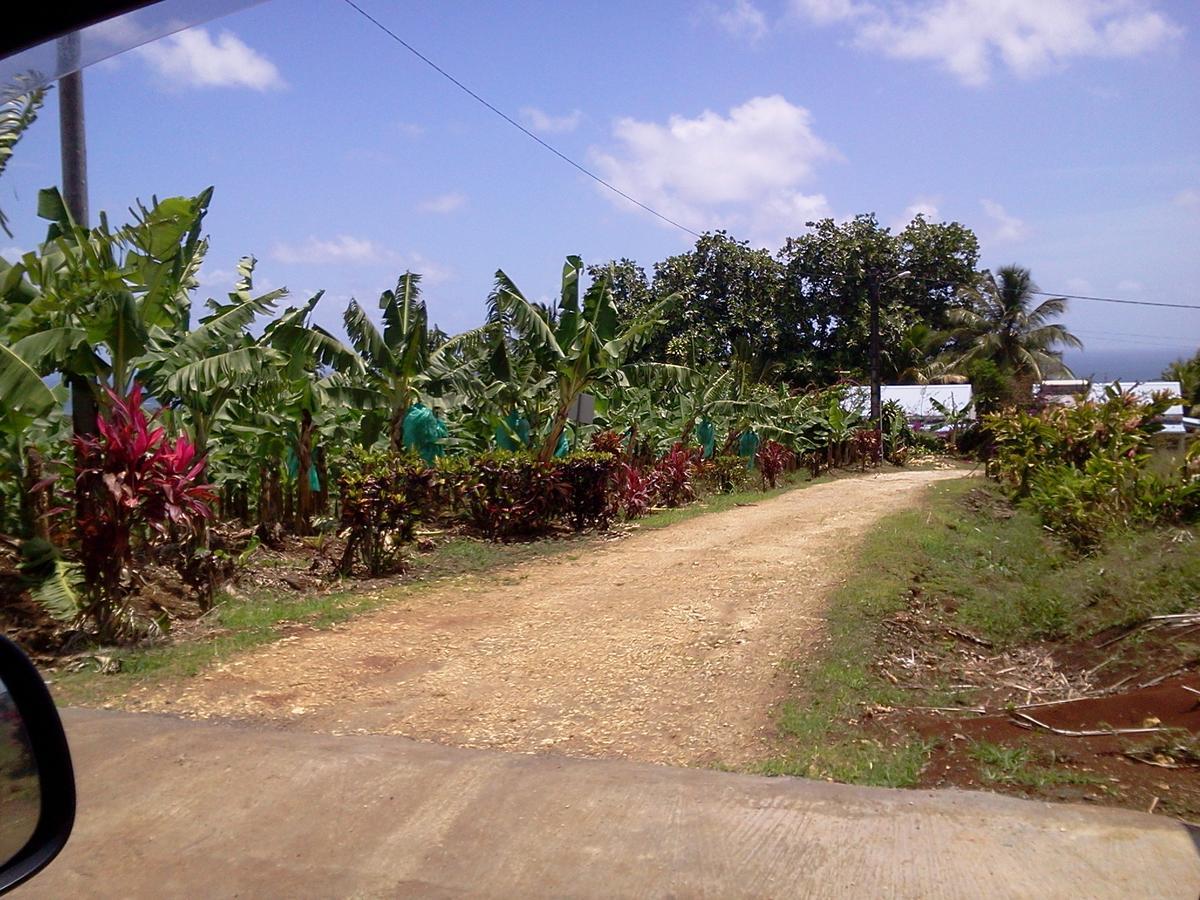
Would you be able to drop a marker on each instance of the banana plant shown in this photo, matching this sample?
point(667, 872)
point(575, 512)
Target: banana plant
point(86, 303)
point(202, 369)
point(407, 358)
point(587, 344)
point(316, 371)
point(19, 105)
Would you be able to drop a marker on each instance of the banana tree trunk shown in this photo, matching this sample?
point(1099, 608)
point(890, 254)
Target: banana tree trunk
point(322, 498)
point(396, 427)
point(686, 434)
point(83, 424)
point(304, 495)
point(34, 503)
point(264, 495)
point(556, 430)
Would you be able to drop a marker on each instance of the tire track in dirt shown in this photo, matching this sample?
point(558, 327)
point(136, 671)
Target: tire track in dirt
point(664, 646)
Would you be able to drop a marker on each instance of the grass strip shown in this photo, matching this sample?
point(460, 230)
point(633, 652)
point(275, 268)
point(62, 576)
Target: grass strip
point(996, 573)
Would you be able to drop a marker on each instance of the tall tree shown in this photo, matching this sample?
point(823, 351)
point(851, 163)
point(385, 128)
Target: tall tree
point(829, 276)
point(727, 291)
point(1006, 325)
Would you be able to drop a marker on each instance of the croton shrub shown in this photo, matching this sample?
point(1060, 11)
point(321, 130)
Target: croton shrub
point(384, 497)
point(773, 460)
point(503, 495)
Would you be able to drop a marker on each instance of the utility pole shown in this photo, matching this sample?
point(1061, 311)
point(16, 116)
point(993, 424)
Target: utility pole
point(72, 137)
point(874, 287)
point(876, 387)
point(72, 140)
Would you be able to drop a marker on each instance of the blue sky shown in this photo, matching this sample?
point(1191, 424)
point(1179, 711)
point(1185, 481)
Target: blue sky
point(1065, 132)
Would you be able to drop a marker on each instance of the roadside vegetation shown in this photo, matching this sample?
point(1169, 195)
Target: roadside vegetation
point(1007, 637)
point(183, 477)
point(276, 595)
point(153, 441)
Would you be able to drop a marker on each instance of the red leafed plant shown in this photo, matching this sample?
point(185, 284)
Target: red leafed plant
point(134, 483)
point(672, 478)
point(608, 442)
point(636, 491)
point(773, 460)
point(868, 446)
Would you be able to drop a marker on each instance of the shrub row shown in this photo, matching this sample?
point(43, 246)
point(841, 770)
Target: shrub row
point(1084, 468)
point(386, 495)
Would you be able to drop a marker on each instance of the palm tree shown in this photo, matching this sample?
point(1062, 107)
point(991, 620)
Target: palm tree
point(1004, 326)
point(918, 357)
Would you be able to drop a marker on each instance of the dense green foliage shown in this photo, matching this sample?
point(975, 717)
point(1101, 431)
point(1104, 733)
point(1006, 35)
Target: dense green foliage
point(801, 314)
point(1084, 466)
point(727, 365)
point(1187, 373)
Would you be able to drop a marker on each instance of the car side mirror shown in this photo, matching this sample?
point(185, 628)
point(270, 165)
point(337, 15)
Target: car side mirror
point(37, 783)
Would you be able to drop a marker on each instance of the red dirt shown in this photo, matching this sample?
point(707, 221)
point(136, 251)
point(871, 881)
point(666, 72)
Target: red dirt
point(1156, 771)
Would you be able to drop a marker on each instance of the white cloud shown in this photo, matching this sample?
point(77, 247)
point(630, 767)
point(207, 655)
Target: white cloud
point(194, 59)
point(542, 121)
point(1077, 285)
point(1006, 228)
point(410, 129)
point(970, 37)
point(431, 272)
point(345, 248)
point(443, 203)
point(743, 171)
point(742, 19)
point(217, 278)
point(12, 253)
point(1188, 199)
point(342, 249)
point(922, 206)
point(1130, 286)
point(823, 12)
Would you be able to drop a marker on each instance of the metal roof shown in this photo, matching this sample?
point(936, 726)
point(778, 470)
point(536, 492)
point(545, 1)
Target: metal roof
point(915, 399)
point(1066, 389)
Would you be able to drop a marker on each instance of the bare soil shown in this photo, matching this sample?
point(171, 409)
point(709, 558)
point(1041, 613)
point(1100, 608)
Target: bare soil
point(1156, 771)
point(1040, 705)
point(667, 646)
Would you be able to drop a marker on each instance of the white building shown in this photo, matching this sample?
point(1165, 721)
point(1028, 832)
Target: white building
point(1066, 390)
point(917, 401)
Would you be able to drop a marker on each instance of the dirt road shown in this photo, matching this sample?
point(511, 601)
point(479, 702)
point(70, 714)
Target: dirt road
point(665, 646)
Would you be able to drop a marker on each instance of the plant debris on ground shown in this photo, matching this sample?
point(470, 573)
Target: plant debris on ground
point(974, 650)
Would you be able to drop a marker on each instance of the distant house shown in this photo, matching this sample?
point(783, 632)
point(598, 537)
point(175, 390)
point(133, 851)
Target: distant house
point(917, 401)
point(1066, 390)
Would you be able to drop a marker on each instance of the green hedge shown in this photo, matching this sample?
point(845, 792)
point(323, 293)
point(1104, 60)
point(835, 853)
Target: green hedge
point(385, 495)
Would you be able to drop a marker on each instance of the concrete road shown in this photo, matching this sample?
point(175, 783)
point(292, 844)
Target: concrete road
point(173, 808)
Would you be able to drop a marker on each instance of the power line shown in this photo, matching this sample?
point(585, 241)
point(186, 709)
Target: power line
point(1131, 334)
point(1115, 300)
point(1057, 294)
point(1110, 339)
point(510, 120)
point(620, 193)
